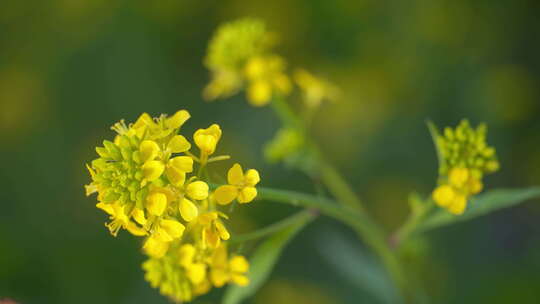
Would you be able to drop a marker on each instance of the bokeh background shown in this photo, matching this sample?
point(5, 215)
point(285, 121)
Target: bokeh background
point(69, 69)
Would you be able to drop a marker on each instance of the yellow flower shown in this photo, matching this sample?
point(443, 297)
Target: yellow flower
point(196, 272)
point(207, 139)
point(177, 168)
point(465, 158)
point(224, 270)
point(314, 90)
point(147, 188)
point(265, 75)
point(213, 230)
point(119, 219)
point(239, 57)
point(237, 41)
point(241, 186)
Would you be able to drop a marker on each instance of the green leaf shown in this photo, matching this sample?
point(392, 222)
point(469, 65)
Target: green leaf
point(262, 262)
point(481, 205)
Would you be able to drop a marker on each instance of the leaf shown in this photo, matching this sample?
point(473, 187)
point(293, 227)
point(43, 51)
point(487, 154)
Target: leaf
point(481, 205)
point(358, 268)
point(262, 262)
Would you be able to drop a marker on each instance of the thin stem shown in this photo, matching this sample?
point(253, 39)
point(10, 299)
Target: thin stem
point(277, 226)
point(409, 227)
point(285, 113)
point(339, 187)
point(357, 221)
point(351, 211)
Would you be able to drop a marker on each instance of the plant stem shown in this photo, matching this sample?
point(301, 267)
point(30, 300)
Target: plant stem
point(277, 226)
point(357, 221)
point(408, 228)
point(339, 188)
point(351, 211)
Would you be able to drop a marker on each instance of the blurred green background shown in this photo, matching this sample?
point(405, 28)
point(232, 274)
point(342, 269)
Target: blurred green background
point(69, 69)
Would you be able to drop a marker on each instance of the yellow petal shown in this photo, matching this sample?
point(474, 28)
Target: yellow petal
point(240, 280)
point(475, 186)
point(162, 235)
point(155, 248)
point(196, 273)
point(222, 230)
point(207, 139)
point(176, 177)
point(186, 254)
point(219, 277)
point(247, 194)
point(197, 190)
point(149, 150)
point(152, 170)
point(144, 120)
point(202, 288)
point(156, 203)
point(92, 172)
point(188, 210)
point(458, 177)
point(252, 177)
point(225, 194)
point(219, 258)
point(182, 163)
point(239, 264)
point(90, 189)
point(177, 120)
point(458, 205)
point(178, 144)
point(174, 229)
point(135, 230)
point(210, 238)
point(235, 175)
point(259, 93)
point(138, 216)
point(255, 68)
point(106, 207)
point(206, 143)
point(207, 218)
point(443, 195)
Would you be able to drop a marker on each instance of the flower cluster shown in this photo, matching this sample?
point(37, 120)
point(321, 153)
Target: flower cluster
point(146, 183)
point(239, 55)
point(465, 158)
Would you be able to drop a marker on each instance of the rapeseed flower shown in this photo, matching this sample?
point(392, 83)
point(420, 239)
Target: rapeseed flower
point(464, 159)
point(145, 182)
point(240, 57)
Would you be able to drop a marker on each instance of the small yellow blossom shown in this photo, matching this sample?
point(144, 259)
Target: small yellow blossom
point(239, 57)
point(265, 75)
point(224, 270)
point(314, 90)
point(465, 158)
point(207, 140)
point(241, 186)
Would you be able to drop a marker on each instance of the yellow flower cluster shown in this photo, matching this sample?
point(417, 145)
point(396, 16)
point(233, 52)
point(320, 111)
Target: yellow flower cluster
point(465, 158)
point(145, 182)
point(239, 55)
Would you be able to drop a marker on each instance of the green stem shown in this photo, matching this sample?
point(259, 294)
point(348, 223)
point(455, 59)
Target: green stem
point(357, 221)
point(285, 113)
point(277, 226)
point(339, 188)
point(351, 211)
point(409, 227)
